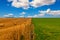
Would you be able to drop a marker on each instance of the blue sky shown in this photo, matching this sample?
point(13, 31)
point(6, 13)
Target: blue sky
point(30, 8)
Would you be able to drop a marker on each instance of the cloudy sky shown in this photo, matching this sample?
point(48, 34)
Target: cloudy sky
point(29, 8)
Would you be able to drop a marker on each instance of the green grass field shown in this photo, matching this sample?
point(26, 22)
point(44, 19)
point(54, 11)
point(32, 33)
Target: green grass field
point(46, 28)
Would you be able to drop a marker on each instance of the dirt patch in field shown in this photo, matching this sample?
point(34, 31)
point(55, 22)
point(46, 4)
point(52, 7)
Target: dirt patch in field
point(16, 29)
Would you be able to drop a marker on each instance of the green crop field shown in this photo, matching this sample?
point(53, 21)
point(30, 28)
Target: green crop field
point(46, 28)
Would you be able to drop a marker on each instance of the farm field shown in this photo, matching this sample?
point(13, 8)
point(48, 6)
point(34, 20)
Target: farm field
point(46, 28)
point(16, 29)
point(29, 28)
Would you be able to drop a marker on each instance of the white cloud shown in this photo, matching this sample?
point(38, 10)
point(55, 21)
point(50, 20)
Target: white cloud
point(21, 16)
point(57, 12)
point(8, 15)
point(51, 12)
point(29, 16)
point(45, 11)
point(38, 3)
point(35, 3)
point(48, 11)
point(9, 0)
point(22, 13)
point(20, 3)
point(41, 14)
point(36, 16)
